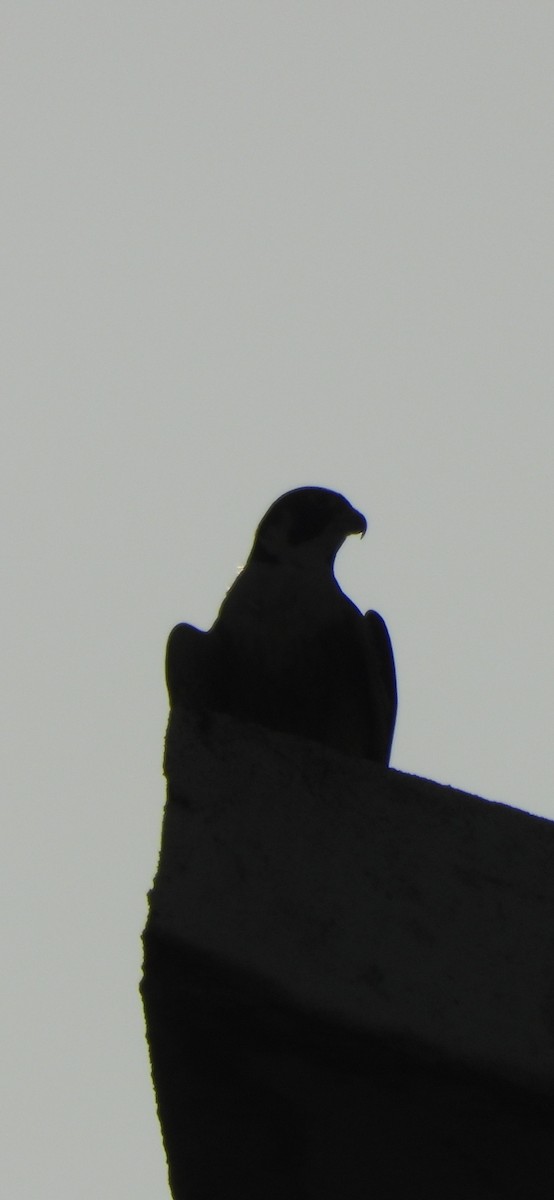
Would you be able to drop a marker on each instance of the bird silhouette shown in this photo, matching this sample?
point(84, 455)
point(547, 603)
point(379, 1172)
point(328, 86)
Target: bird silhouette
point(288, 649)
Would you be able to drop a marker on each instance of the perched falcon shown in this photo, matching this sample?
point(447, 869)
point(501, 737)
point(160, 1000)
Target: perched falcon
point(288, 649)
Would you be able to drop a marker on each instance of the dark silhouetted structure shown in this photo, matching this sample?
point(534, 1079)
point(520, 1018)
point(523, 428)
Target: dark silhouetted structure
point(348, 980)
point(348, 972)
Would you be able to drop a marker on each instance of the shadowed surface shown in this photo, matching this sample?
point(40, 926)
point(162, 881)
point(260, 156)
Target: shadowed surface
point(348, 978)
point(258, 1099)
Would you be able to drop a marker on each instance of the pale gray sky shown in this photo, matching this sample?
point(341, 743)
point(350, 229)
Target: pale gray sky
point(250, 245)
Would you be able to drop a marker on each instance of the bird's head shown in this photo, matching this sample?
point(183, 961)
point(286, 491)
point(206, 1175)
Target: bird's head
point(306, 527)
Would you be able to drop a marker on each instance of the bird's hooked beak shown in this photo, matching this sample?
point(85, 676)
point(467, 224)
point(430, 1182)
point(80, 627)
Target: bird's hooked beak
point(356, 522)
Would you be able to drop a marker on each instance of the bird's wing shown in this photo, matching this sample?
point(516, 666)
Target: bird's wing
point(187, 666)
point(381, 665)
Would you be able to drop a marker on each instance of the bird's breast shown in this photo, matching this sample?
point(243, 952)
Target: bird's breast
point(285, 605)
point(274, 622)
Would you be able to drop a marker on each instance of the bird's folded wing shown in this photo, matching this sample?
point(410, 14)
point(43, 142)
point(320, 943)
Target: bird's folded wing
point(381, 662)
point(187, 666)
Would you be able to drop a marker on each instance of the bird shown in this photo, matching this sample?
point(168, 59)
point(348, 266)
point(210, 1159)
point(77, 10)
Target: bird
point(288, 649)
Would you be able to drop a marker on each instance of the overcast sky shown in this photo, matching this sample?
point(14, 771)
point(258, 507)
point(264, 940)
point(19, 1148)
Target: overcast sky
point(250, 245)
